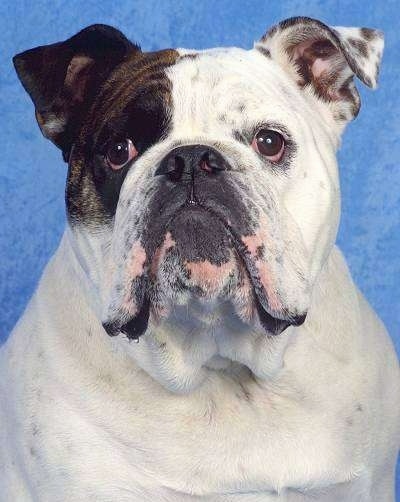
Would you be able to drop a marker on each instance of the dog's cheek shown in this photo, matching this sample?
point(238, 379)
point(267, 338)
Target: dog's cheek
point(255, 245)
point(125, 284)
point(92, 193)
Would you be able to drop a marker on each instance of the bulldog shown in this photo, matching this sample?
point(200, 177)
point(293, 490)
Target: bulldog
point(202, 202)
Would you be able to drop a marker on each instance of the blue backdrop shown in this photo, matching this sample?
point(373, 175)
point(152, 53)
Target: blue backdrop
point(32, 174)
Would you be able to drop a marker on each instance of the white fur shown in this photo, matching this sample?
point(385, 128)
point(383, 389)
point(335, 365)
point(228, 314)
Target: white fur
point(221, 412)
point(84, 422)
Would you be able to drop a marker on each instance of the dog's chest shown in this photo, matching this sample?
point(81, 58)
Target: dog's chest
point(231, 438)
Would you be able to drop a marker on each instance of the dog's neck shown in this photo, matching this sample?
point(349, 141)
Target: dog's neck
point(196, 339)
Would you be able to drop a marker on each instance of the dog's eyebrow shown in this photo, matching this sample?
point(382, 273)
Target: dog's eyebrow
point(144, 119)
point(246, 135)
point(117, 125)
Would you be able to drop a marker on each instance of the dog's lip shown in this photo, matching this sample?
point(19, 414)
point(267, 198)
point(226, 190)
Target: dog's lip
point(273, 324)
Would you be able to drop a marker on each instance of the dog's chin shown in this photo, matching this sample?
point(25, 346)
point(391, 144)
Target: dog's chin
point(201, 287)
point(208, 288)
point(205, 285)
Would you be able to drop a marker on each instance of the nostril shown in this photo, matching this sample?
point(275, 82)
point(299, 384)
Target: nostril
point(172, 167)
point(211, 162)
point(204, 164)
point(176, 173)
point(182, 163)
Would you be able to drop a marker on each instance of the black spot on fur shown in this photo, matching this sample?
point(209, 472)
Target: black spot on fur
point(342, 117)
point(264, 51)
point(245, 393)
point(189, 56)
point(359, 45)
point(368, 33)
point(260, 251)
point(377, 68)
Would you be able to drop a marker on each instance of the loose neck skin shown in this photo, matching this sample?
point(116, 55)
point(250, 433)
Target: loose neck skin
point(214, 384)
point(198, 338)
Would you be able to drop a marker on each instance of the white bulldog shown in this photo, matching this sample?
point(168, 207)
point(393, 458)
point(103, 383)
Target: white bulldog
point(203, 205)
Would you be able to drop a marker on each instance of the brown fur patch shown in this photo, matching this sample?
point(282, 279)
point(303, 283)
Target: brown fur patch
point(139, 73)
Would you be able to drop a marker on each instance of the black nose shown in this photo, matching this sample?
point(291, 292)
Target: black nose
point(186, 162)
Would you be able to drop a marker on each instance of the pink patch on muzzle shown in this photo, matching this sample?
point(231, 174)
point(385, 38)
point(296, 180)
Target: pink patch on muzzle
point(253, 243)
point(208, 276)
point(134, 269)
point(136, 261)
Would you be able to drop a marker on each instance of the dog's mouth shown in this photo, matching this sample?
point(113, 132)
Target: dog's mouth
point(200, 254)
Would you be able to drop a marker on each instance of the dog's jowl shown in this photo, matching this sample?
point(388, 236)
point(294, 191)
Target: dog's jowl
point(203, 204)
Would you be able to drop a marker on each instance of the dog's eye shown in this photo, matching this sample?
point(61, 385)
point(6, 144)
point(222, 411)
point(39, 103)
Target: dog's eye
point(119, 153)
point(269, 143)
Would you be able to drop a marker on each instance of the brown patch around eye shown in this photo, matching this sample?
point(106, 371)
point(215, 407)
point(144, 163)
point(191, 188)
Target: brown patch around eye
point(92, 194)
point(322, 49)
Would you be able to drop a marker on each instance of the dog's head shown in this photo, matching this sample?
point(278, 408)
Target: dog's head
point(209, 174)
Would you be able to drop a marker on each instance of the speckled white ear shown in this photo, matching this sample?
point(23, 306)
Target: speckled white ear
point(363, 48)
point(325, 59)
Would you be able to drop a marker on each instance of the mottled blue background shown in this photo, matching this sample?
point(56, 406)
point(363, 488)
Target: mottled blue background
point(32, 174)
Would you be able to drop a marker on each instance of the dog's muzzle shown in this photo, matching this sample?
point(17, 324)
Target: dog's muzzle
point(197, 238)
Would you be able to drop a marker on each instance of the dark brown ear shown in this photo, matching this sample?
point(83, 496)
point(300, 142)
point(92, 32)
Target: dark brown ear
point(62, 79)
point(324, 59)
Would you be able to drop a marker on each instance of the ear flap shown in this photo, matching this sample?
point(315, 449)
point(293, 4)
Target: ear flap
point(325, 59)
point(62, 79)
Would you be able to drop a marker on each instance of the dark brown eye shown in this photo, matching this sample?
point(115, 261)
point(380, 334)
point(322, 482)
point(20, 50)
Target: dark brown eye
point(269, 143)
point(119, 153)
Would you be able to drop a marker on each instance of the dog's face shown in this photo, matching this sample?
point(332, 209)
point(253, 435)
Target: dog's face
point(208, 175)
